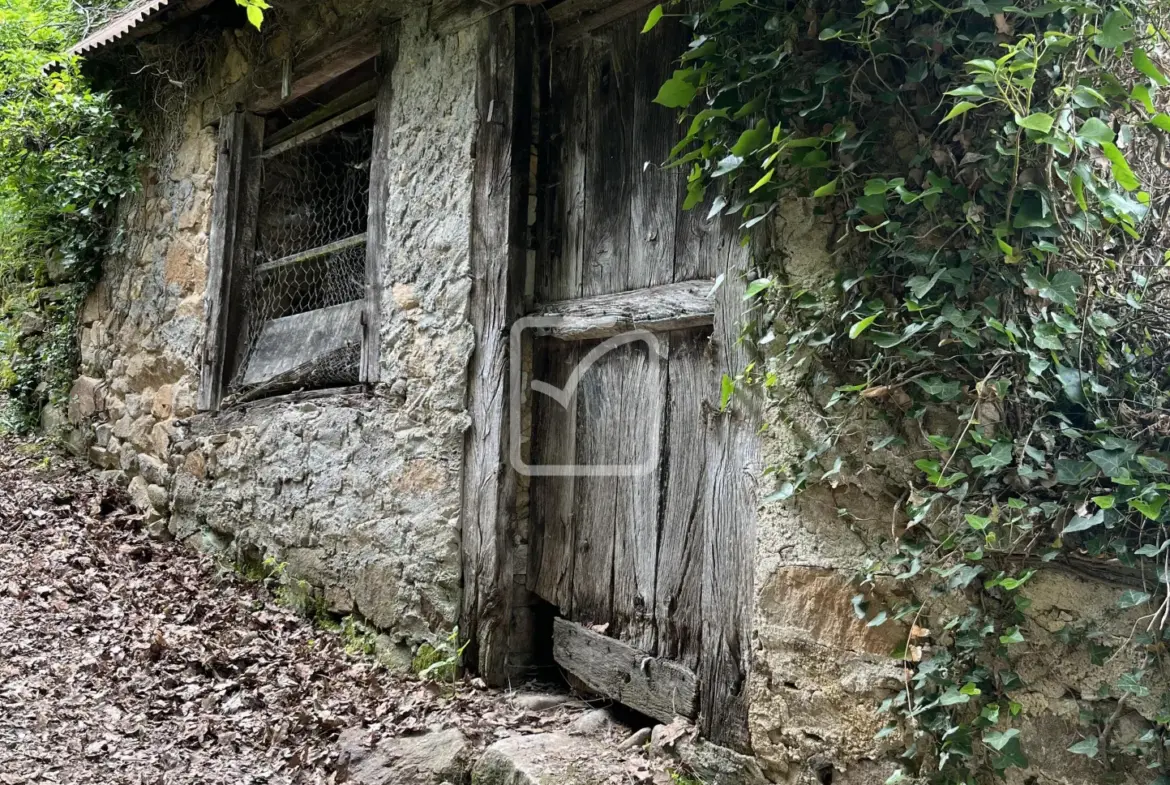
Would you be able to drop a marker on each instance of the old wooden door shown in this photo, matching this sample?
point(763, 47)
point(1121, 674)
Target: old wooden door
point(649, 561)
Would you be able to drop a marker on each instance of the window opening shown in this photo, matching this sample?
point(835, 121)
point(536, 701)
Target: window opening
point(304, 285)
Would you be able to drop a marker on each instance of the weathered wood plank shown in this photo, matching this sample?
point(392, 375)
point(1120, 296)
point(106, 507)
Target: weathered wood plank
point(498, 262)
point(297, 341)
point(669, 307)
point(655, 687)
point(654, 195)
point(235, 193)
point(312, 253)
point(349, 115)
point(376, 227)
point(560, 276)
point(678, 594)
point(350, 99)
point(449, 16)
point(599, 419)
point(574, 32)
point(729, 518)
point(637, 495)
point(554, 429)
point(609, 166)
point(319, 68)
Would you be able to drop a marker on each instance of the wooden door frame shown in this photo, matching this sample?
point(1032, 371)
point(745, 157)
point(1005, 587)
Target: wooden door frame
point(493, 604)
point(498, 262)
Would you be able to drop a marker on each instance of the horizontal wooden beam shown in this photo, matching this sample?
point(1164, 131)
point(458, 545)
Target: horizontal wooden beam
point(312, 253)
point(360, 94)
point(318, 69)
point(582, 17)
point(322, 129)
point(658, 688)
point(673, 306)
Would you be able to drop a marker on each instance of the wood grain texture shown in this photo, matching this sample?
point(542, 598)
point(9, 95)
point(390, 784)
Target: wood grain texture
point(376, 251)
point(729, 518)
point(655, 687)
point(292, 342)
point(586, 23)
point(599, 422)
point(559, 276)
point(679, 590)
point(658, 309)
point(637, 496)
point(498, 202)
point(319, 68)
point(350, 99)
point(654, 191)
point(311, 134)
point(608, 162)
point(554, 428)
point(235, 195)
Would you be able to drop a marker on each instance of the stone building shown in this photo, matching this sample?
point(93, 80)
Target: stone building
point(363, 235)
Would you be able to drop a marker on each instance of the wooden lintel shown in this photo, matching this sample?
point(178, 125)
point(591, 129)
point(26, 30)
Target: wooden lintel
point(674, 306)
point(318, 69)
point(658, 688)
point(449, 16)
point(313, 253)
point(590, 15)
point(322, 129)
point(360, 94)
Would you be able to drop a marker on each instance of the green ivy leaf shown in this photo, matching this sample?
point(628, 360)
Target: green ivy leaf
point(1104, 502)
point(1142, 62)
point(1132, 683)
point(726, 390)
point(1115, 31)
point(654, 17)
point(863, 325)
point(1150, 509)
point(828, 189)
point(1086, 747)
point(999, 457)
point(1110, 461)
point(1132, 598)
point(1096, 131)
point(1037, 121)
point(1081, 523)
point(959, 109)
point(998, 740)
point(952, 697)
point(1122, 174)
point(757, 286)
point(678, 91)
point(1012, 636)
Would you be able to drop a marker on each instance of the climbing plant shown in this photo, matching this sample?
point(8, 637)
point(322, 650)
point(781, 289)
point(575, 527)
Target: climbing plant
point(67, 154)
point(996, 175)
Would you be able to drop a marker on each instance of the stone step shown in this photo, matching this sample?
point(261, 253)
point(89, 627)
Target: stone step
point(548, 758)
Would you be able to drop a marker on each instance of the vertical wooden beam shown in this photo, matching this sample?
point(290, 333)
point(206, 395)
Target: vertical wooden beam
point(498, 262)
point(235, 197)
point(729, 520)
point(376, 224)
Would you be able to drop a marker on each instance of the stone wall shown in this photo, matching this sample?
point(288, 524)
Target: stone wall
point(819, 673)
point(358, 494)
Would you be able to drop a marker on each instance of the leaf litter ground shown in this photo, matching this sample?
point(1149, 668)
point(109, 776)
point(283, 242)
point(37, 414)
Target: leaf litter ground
point(124, 659)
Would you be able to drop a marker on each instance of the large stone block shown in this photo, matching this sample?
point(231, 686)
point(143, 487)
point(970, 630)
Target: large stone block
point(430, 759)
point(548, 758)
point(85, 399)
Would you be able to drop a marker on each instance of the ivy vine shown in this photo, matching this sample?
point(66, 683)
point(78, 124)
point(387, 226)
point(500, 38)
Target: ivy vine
point(997, 176)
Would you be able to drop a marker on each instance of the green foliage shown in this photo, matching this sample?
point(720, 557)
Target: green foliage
point(995, 173)
point(440, 663)
point(67, 155)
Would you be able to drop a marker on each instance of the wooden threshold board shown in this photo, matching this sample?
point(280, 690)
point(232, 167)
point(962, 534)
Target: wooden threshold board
point(658, 688)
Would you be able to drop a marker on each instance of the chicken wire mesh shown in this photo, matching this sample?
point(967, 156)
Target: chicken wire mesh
point(310, 254)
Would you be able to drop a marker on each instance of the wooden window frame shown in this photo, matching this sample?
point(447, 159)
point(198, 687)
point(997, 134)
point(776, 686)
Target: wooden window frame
point(235, 201)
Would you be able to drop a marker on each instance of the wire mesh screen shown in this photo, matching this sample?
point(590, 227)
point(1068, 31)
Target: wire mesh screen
point(302, 290)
